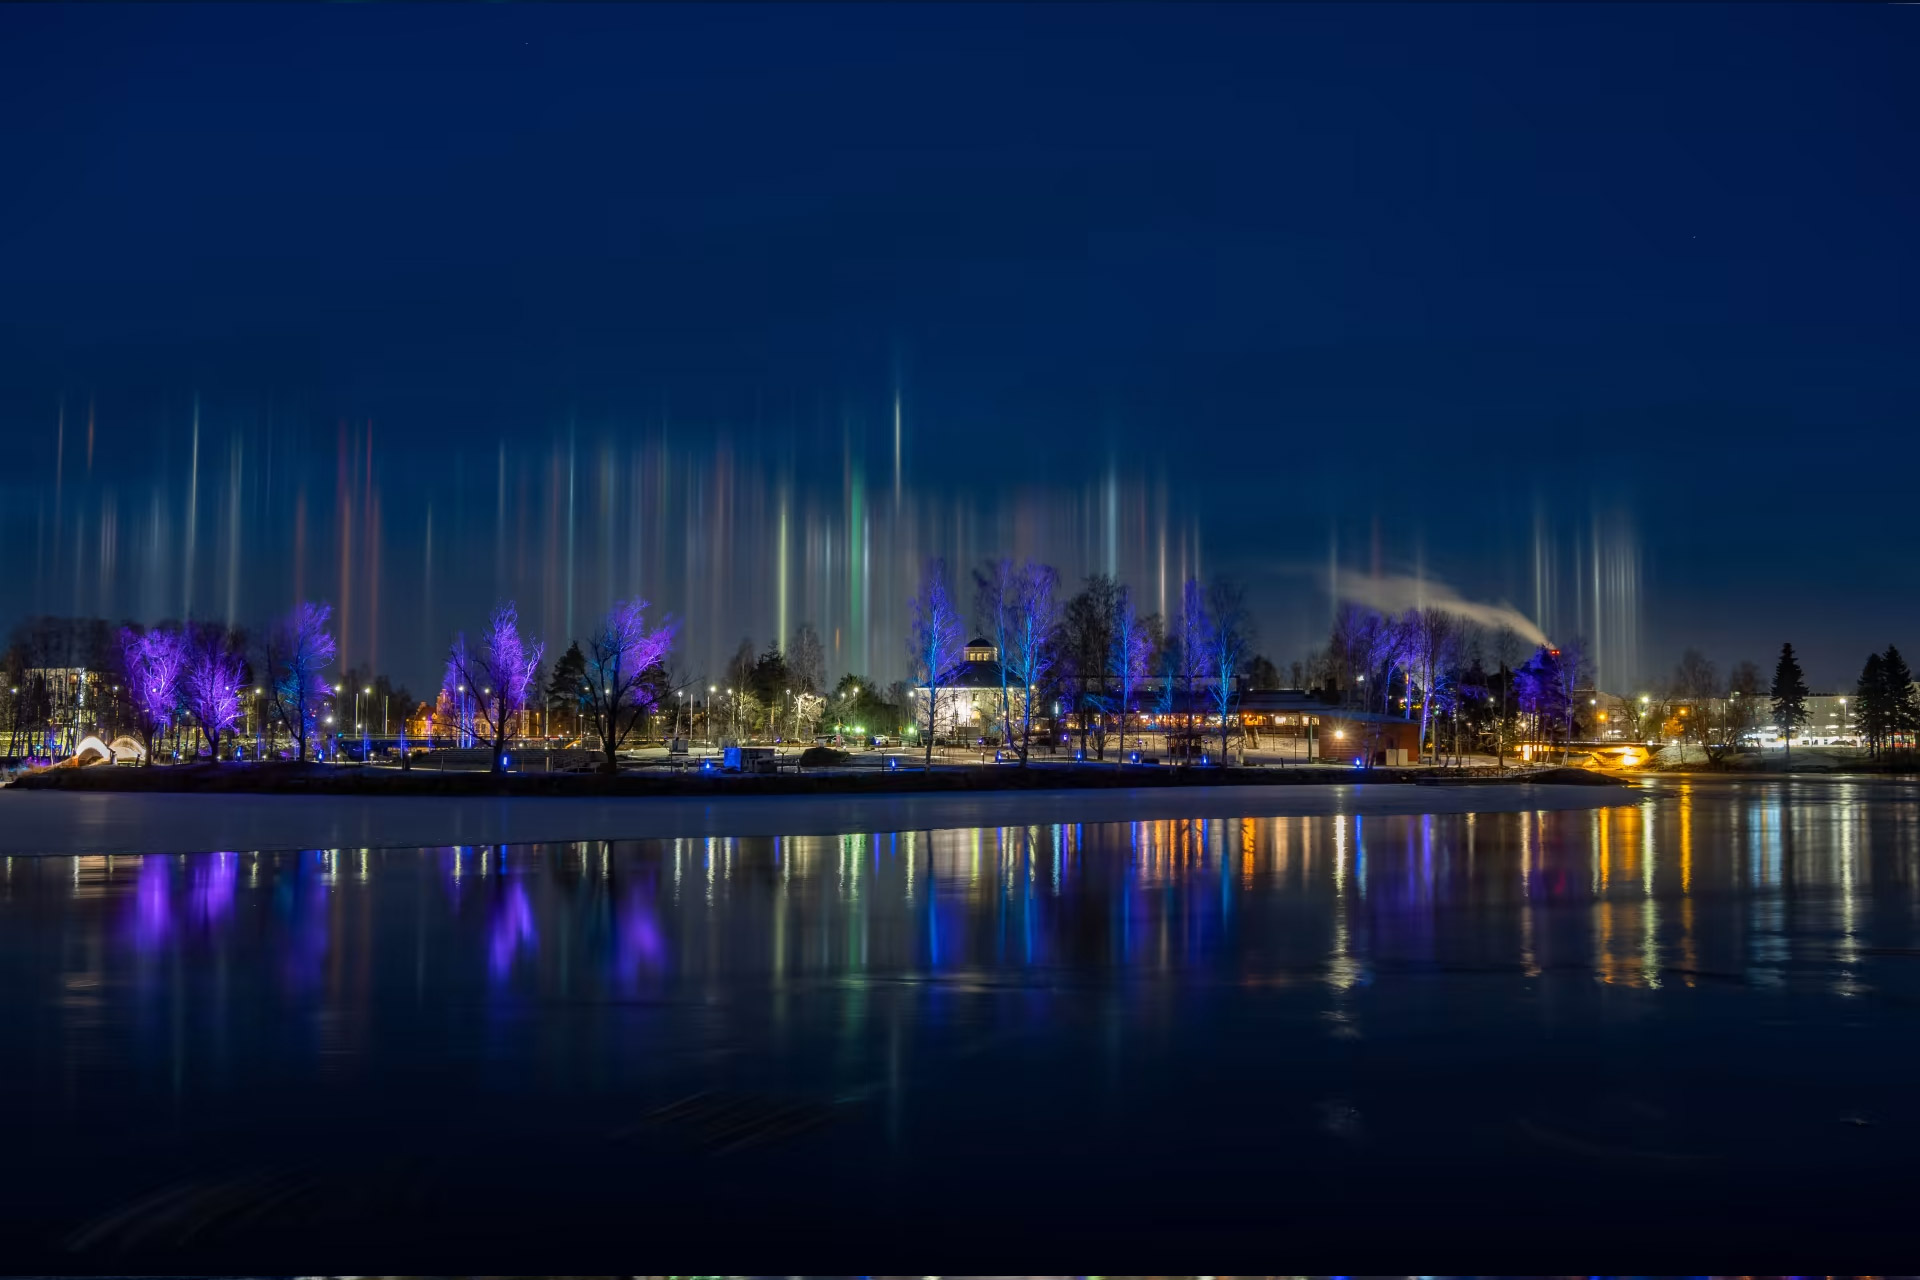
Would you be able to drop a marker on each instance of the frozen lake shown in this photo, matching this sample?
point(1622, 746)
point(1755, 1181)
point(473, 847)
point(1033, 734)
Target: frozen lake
point(39, 822)
point(1680, 1022)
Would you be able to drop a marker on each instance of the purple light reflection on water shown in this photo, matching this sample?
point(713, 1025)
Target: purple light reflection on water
point(512, 927)
point(150, 922)
point(305, 898)
point(210, 891)
point(155, 921)
point(641, 945)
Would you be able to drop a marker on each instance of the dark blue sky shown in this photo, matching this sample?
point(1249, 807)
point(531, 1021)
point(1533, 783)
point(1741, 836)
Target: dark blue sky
point(1437, 272)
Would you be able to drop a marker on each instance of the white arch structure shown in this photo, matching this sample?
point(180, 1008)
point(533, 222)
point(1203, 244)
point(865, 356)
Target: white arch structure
point(123, 748)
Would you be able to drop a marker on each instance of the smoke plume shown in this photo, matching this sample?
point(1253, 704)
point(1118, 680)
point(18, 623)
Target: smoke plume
point(1396, 593)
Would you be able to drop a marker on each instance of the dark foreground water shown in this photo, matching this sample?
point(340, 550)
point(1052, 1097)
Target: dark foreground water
point(1688, 1023)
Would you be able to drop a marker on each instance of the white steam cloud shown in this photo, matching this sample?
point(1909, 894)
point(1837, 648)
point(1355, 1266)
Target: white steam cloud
point(1396, 593)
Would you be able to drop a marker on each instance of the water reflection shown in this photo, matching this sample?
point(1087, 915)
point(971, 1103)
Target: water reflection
point(1120, 991)
point(1742, 881)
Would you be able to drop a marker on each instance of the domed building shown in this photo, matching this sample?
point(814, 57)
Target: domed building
point(970, 705)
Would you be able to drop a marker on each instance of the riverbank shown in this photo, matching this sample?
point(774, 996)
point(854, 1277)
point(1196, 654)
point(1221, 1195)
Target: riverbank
point(317, 779)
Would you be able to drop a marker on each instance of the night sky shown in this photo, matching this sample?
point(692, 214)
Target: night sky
point(1506, 296)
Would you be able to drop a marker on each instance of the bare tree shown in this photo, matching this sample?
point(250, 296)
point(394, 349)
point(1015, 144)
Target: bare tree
point(1507, 651)
point(1229, 637)
point(299, 648)
point(1128, 659)
point(1385, 642)
point(1571, 670)
point(1196, 632)
point(214, 675)
point(806, 661)
point(1351, 653)
point(935, 645)
point(1696, 682)
point(1032, 619)
point(502, 673)
point(1426, 635)
point(156, 662)
point(1744, 692)
point(996, 596)
point(1086, 638)
point(626, 673)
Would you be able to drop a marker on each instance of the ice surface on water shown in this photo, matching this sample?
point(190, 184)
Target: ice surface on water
point(52, 823)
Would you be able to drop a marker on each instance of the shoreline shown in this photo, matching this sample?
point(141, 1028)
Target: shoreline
point(46, 822)
point(334, 780)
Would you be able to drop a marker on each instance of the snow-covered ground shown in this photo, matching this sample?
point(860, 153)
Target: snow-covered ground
point(42, 822)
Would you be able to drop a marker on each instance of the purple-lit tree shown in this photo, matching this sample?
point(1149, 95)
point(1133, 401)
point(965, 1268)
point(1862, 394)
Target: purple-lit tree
point(1032, 618)
point(625, 675)
point(1129, 657)
point(934, 646)
point(502, 673)
point(155, 660)
point(298, 649)
point(1545, 686)
point(213, 680)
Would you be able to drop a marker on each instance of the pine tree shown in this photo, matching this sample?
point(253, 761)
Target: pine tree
point(1869, 703)
point(1789, 695)
point(1901, 709)
point(566, 689)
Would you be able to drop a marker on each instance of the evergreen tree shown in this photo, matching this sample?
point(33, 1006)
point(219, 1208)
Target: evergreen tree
point(566, 689)
point(1870, 704)
point(1262, 674)
point(1789, 693)
point(771, 680)
point(1901, 708)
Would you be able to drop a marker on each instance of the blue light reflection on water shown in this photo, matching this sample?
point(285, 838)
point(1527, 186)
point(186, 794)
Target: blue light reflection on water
point(1213, 884)
point(1231, 983)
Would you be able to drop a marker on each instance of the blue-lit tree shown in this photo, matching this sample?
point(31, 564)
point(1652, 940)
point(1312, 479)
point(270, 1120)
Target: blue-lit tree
point(1032, 618)
point(1128, 658)
point(1190, 652)
point(299, 648)
point(995, 588)
point(935, 645)
point(1427, 637)
point(1229, 638)
point(502, 671)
